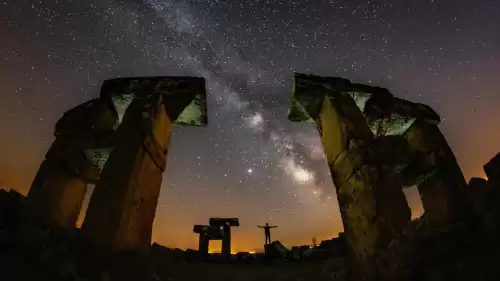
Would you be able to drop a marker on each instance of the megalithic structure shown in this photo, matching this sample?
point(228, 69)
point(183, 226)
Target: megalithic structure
point(363, 168)
point(122, 208)
point(84, 137)
point(218, 229)
point(225, 224)
point(432, 167)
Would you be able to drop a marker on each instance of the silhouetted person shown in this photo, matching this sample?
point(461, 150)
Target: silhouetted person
point(267, 232)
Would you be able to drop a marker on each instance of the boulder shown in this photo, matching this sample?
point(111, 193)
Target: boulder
point(492, 168)
point(276, 250)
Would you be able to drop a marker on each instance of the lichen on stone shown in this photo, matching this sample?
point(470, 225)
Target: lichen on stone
point(297, 113)
point(121, 103)
point(98, 156)
point(394, 125)
point(195, 114)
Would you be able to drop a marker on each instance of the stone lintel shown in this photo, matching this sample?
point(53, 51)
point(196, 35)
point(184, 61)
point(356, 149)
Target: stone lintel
point(184, 97)
point(224, 222)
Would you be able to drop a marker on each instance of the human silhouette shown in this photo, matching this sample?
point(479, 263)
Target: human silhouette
point(267, 232)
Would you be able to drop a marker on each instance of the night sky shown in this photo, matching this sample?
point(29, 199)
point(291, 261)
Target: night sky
point(250, 162)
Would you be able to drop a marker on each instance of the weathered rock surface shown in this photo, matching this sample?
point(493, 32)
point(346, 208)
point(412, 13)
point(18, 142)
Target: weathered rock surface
point(372, 205)
point(129, 126)
point(121, 213)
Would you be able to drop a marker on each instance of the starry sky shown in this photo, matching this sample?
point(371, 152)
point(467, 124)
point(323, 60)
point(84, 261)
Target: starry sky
point(250, 162)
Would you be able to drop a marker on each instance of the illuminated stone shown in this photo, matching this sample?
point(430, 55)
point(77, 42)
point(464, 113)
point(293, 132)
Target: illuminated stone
point(372, 205)
point(57, 192)
point(184, 97)
point(375, 144)
point(122, 208)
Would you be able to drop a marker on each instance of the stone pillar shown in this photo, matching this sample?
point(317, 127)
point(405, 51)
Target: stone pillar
point(122, 208)
point(443, 190)
point(373, 209)
point(203, 243)
point(226, 241)
point(56, 195)
point(204, 232)
point(372, 204)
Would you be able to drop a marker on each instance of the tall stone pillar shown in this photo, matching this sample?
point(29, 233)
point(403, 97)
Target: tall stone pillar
point(443, 189)
point(372, 205)
point(122, 208)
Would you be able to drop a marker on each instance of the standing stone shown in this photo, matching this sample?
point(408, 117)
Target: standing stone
point(373, 209)
point(492, 168)
point(57, 192)
point(56, 195)
point(203, 239)
point(431, 164)
point(372, 205)
point(224, 225)
point(443, 190)
point(122, 208)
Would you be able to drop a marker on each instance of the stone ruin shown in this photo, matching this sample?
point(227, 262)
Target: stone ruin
point(377, 144)
point(217, 229)
point(485, 195)
point(118, 142)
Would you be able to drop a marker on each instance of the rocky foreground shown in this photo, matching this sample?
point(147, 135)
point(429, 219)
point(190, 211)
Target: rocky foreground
point(467, 249)
point(58, 257)
point(464, 251)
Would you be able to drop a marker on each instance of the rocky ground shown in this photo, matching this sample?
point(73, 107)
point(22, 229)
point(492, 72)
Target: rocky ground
point(461, 252)
point(468, 249)
point(56, 258)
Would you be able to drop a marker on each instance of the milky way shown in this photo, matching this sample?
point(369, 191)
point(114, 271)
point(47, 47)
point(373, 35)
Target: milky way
point(250, 162)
